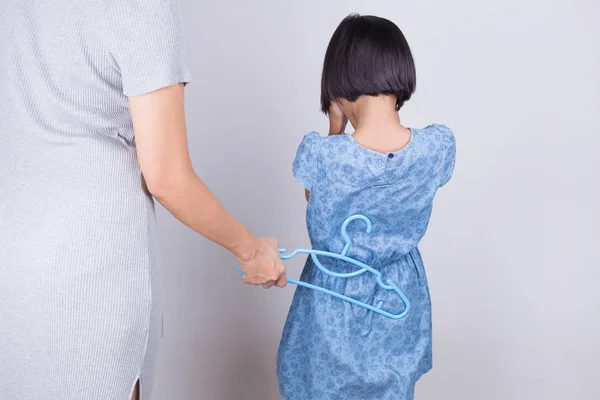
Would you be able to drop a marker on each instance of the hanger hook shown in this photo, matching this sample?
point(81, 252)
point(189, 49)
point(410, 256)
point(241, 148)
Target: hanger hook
point(345, 236)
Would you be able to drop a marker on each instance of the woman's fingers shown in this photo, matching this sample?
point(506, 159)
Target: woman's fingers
point(282, 281)
point(265, 266)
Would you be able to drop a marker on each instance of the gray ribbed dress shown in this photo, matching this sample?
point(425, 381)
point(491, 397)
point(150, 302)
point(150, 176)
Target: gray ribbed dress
point(79, 312)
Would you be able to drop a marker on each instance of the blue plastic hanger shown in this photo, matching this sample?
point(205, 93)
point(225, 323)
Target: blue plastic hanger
point(388, 285)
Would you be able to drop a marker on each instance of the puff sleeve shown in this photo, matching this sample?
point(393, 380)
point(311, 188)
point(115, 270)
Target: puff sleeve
point(305, 168)
point(447, 154)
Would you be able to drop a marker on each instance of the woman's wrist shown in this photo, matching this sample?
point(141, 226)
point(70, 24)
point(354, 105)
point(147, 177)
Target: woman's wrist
point(245, 246)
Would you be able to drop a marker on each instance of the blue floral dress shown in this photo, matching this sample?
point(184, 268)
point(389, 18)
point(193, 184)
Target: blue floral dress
point(331, 349)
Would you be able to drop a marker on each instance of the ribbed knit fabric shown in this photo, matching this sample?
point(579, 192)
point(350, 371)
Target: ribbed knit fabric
point(79, 309)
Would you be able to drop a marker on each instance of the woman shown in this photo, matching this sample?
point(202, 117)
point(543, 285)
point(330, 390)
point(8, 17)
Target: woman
point(92, 100)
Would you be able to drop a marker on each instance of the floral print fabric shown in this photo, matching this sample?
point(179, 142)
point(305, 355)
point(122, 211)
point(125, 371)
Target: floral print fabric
point(330, 349)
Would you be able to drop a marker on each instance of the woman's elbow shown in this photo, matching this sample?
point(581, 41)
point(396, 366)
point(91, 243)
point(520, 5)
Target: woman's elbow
point(156, 186)
point(164, 186)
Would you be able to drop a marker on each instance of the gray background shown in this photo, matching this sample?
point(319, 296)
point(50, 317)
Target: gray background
point(511, 251)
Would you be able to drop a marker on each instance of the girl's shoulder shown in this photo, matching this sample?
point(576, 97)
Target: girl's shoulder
point(313, 137)
point(313, 142)
point(435, 132)
point(437, 144)
point(317, 153)
point(434, 138)
point(305, 167)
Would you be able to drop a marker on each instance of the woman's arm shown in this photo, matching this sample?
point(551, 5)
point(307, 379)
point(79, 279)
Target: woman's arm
point(160, 133)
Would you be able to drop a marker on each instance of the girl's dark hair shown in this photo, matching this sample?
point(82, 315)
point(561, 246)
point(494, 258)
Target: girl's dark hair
point(370, 56)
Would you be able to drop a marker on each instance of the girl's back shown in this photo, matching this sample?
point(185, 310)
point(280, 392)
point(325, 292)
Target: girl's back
point(394, 190)
point(331, 349)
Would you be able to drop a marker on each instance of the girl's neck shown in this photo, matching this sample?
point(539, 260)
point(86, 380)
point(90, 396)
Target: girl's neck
point(377, 124)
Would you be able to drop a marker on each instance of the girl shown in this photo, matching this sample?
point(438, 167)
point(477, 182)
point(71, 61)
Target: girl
point(332, 349)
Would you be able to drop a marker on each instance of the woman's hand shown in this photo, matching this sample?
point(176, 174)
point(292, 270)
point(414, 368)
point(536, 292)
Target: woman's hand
point(337, 119)
point(261, 264)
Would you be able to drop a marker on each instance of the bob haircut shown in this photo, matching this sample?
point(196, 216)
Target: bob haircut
point(367, 56)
